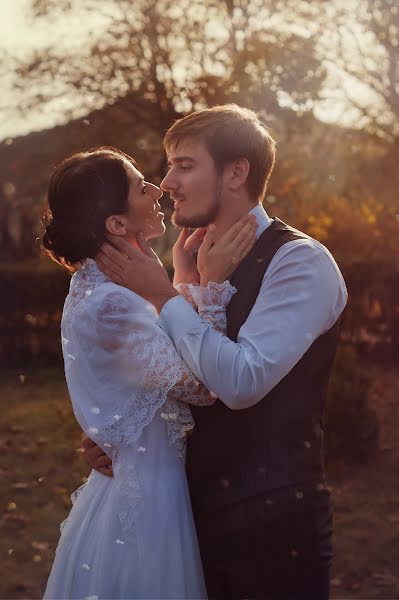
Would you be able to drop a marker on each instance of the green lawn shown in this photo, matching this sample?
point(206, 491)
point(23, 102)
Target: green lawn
point(40, 466)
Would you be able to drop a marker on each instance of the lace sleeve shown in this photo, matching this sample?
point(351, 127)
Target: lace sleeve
point(212, 301)
point(123, 372)
point(185, 291)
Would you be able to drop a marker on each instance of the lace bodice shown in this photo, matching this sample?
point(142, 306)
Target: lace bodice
point(123, 372)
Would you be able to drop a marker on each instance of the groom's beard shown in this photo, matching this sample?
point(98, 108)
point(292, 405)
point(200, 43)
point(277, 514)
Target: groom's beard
point(203, 220)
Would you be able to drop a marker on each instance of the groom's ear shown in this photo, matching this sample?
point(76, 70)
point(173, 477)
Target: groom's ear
point(116, 225)
point(236, 173)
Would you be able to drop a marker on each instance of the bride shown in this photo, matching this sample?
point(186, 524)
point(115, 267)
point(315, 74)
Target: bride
point(130, 536)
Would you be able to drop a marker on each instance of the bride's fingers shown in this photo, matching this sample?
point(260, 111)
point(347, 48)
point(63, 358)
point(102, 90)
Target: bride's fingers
point(195, 240)
point(208, 240)
point(246, 235)
point(247, 232)
point(235, 229)
point(183, 237)
point(246, 247)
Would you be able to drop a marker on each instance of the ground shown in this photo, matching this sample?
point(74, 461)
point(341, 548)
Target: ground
point(40, 466)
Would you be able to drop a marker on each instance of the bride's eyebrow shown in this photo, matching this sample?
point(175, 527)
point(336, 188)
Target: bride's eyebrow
point(140, 181)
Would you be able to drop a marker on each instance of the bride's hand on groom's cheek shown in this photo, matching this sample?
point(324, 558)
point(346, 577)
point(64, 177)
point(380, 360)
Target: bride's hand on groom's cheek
point(184, 256)
point(219, 258)
point(96, 457)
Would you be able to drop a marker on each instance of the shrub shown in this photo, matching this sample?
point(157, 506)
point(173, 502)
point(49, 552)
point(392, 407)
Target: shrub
point(351, 425)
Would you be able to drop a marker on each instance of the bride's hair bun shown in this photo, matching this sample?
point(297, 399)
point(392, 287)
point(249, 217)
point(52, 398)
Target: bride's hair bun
point(84, 190)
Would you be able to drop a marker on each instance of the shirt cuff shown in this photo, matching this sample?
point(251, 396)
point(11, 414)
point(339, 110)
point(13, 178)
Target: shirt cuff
point(177, 318)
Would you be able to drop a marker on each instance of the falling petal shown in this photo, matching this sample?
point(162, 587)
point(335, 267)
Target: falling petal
point(93, 430)
point(141, 449)
point(307, 444)
point(117, 417)
point(86, 567)
point(71, 356)
point(173, 416)
point(10, 551)
point(299, 495)
point(213, 395)
point(64, 340)
point(164, 416)
point(95, 410)
point(106, 445)
point(119, 542)
point(88, 292)
point(37, 558)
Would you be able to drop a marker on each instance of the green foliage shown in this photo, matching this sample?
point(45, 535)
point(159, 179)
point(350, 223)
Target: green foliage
point(351, 424)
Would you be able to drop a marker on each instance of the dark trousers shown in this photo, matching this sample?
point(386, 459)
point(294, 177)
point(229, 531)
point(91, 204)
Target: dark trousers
point(273, 547)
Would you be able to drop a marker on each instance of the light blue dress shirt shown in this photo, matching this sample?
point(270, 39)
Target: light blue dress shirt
point(302, 295)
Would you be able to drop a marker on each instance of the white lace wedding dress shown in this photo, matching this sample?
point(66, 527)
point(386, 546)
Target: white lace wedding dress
point(131, 536)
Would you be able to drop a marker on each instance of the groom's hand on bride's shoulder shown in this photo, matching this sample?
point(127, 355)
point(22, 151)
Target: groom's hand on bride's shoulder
point(96, 457)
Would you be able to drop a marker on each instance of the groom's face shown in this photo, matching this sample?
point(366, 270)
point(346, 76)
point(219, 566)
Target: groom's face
point(194, 185)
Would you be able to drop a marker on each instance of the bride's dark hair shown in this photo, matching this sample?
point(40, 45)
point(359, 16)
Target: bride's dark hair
point(84, 190)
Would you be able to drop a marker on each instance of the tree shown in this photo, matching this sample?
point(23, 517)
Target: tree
point(171, 56)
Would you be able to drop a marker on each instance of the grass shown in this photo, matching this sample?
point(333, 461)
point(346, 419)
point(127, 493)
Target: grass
point(40, 466)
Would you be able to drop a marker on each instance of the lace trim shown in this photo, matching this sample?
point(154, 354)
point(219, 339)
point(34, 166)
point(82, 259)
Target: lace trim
point(184, 290)
point(74, 496)
point(214, 295)
point(212, 301)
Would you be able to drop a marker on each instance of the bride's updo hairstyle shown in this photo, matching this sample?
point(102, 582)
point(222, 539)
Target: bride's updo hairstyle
point(84, 190)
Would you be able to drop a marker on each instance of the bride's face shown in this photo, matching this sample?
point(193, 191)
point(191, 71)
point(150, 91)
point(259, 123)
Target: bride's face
point(144, 212)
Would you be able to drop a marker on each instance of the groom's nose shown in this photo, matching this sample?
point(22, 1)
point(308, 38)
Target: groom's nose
point(167, 184)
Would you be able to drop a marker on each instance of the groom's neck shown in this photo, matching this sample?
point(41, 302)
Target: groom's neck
point(227, 218)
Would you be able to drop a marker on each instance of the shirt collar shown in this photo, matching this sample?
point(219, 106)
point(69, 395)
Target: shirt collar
point(262, 218)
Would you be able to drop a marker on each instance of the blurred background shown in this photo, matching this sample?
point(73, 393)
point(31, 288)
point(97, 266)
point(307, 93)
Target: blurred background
point(324, 76)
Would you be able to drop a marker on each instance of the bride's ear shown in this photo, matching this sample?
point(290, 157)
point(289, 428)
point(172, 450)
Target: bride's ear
point(116, 225)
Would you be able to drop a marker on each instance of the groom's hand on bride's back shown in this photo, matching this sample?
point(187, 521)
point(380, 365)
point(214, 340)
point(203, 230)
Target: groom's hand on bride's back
point(96, 457)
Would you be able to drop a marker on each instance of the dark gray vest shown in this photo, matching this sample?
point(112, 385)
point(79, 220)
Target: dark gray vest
point(233, 455)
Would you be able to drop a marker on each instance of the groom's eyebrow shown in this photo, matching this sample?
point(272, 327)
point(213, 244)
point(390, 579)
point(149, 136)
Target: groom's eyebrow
point(180, 159)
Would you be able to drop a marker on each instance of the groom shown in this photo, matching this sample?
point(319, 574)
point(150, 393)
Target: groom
point(254, 461)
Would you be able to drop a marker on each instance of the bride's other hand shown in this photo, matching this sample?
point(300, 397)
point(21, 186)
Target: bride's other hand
point(184, 256)
point(96, 457)
point(218, 260)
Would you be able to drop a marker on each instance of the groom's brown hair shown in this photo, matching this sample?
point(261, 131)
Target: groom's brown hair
point(230, 132)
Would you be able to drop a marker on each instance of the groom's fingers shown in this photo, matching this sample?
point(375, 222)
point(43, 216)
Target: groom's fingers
point(145, 246)
point(107, 267)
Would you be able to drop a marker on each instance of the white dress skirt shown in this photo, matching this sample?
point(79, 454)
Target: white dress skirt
point(95, 560)
point(131, 536)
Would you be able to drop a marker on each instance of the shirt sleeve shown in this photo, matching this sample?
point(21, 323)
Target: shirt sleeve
point(301, 297)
